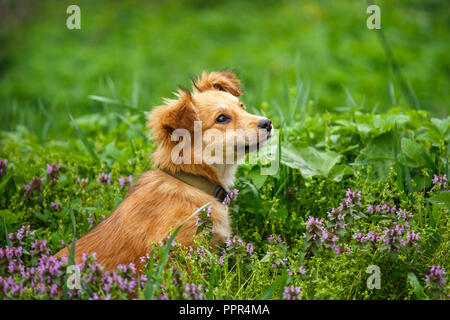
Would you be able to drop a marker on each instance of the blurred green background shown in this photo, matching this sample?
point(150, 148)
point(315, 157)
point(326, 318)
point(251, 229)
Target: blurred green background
point(137, 52)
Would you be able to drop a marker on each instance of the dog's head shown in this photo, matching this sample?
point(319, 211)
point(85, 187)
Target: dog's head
point(215, 118)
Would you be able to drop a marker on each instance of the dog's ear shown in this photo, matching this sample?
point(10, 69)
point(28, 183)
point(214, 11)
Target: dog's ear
point(219, 80)
point(176, 114)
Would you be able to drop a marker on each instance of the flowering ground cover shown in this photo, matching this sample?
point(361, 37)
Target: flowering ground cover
point(358, 208)
point(301, 233)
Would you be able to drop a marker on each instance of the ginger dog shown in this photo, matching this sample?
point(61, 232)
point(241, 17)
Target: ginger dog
point(159, 201)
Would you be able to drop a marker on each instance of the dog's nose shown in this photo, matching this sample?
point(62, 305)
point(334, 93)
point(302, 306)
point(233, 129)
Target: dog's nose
point(265, 124)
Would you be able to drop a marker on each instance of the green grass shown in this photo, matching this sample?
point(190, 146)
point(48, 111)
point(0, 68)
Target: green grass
point(79, 98)
point(137, 53)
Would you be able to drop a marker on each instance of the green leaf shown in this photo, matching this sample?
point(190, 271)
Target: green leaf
point(412, 150)
point(429, 161)
point(308, 160)
point(254, 193)
point(422, 182)
point(42, 216)
point(8, 241)
point(441, 124)
point(339, 171)
point(4, 180)
point(257, 178)
point(379, 154)
point(418, 289)
point(441, 200)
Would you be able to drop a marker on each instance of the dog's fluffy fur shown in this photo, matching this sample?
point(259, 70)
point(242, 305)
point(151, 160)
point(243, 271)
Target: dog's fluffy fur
point(158, 202)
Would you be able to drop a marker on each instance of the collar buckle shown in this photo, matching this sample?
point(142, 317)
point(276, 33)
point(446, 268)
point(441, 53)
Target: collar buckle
point(220, 193)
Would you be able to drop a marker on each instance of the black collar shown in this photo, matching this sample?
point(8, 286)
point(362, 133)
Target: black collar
point(200, 182)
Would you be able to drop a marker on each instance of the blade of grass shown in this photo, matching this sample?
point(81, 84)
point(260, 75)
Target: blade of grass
point(71, 249)
point(281, 187)
point(107, 101)
point(287, 99)
point(298, 94)
point(392, 94)
point(397, 163)
point(89, 147)
point(8, 241)
point(408, 180)
point(135, 93)
point(428, 160)
point(278, 283)
point(254, 193)
point(132, 126)
point(112, 87)
point(280, 112)
point(350, 100)
point(212, 276)
point(148, 291)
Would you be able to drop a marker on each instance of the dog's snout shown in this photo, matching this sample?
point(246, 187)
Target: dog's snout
point(265, 124)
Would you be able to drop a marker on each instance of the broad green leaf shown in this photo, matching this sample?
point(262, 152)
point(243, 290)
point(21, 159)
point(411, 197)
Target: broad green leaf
point(309, 160)
point(411, 149)
point(257, 178)
point(379, 154)
point(441, 125)
point(415, 284)
point(441, 200)
point(339, 171)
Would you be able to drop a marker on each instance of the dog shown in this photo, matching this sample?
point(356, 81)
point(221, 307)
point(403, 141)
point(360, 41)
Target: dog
point(162, 199)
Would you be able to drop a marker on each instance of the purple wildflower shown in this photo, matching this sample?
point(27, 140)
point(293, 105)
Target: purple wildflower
point(249, 248)
point(440, 181)
point(34, 185)
point(104, 178)
point(292, 293)
point(55, 206)
point(53, 171)
point(294, 272)
point(231, 196)
point(435, 277)
point(82, 182)
point(123, 180)
point(193, 291)
point(3, 167)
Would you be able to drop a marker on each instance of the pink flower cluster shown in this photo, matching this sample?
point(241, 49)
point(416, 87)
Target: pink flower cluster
point(53, 171)
point(104, 178)
point(35, 185)
point(3, 167)
point(440, 181)
point(387, 208)
point(231, 196)
point(193, 291)
point(393, 238)
point(46, 276)
point(435, 276)
point(123, 180)
point(292, 293)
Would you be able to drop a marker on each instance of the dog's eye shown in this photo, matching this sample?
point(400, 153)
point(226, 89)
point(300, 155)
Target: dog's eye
point(223, 118)
point(243, 106)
